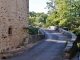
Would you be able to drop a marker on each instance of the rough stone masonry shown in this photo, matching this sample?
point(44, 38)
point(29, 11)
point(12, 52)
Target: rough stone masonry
point(13, 20)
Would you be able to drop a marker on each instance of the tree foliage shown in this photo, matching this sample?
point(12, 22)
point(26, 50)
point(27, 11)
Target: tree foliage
point(65, 14)
point(37, 19)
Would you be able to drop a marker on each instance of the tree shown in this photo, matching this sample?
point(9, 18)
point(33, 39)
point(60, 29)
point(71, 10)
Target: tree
point(37, 19)
point(50, 6)
point(65, 14)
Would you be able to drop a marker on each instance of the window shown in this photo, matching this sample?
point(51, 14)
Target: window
point(10, 31)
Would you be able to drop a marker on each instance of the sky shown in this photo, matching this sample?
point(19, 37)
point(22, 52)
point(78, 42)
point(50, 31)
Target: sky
point(37, 5)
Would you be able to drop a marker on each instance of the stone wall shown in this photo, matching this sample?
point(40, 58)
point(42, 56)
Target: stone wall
point(53, 27)
point(13, 17)
point(35, 38)
point(70, 47)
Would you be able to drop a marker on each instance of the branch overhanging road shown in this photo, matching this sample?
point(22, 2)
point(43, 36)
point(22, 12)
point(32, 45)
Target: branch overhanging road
point(50, 49)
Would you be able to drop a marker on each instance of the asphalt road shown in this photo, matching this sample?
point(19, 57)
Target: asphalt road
point(49, 49)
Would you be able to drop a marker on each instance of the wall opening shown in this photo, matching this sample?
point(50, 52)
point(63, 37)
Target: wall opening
point(9, 30)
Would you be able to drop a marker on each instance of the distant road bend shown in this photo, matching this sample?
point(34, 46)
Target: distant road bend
point(49, 49)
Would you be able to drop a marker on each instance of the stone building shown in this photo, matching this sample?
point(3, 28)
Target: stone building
point(13, 23)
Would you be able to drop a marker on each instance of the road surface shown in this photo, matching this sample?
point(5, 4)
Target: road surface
point(49, 49)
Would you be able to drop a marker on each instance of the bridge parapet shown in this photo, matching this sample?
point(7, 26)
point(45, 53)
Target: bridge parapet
point(69, 43)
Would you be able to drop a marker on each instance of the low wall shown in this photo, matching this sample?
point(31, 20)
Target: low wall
point(35, 38)
point(53, 27)
point(70, 43)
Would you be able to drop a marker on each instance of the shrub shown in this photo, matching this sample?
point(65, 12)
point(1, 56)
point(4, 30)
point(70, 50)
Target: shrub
point(33, 31)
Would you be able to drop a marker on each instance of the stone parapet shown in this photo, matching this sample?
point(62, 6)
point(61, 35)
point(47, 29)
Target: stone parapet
point(35, 38)
point(70, 42)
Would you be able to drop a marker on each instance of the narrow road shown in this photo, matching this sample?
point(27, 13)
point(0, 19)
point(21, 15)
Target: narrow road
point(49, 49)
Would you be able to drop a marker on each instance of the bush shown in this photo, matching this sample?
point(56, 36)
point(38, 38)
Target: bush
point(33, 31)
